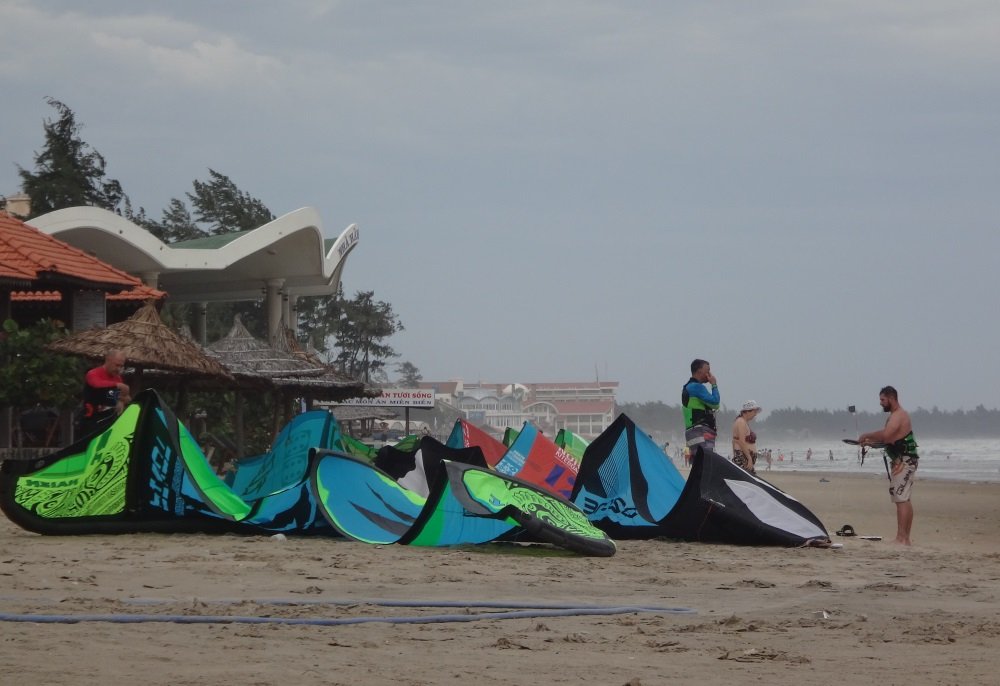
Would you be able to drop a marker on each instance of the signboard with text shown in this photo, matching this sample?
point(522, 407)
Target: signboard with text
point(395, 397)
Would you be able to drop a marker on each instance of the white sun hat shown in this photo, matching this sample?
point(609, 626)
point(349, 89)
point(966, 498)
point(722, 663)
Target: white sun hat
point(750, 405)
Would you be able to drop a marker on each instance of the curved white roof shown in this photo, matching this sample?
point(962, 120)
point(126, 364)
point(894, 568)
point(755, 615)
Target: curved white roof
point(224, 267)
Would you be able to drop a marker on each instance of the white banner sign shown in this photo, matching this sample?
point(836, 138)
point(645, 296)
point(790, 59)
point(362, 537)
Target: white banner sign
point(395, 397)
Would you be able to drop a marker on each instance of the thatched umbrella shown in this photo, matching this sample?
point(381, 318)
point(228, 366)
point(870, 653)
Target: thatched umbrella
point(287, 371)
point(240, 351)
point(329, 385)
point(147, 343)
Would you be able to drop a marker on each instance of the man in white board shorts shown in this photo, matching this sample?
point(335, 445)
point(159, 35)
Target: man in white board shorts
point(901, 447)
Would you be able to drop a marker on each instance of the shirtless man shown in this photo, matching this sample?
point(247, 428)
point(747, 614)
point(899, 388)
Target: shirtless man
point(902, 450)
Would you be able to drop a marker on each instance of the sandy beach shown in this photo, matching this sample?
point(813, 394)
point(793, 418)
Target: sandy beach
point(869, 612)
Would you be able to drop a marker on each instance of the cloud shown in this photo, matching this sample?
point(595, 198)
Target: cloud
point(764, 175)
point(134, 47)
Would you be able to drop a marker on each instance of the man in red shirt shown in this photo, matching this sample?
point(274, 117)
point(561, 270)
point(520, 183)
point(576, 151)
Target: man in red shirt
point(105, 393)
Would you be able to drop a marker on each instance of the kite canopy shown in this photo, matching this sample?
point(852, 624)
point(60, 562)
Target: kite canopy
point(535, 459)
point(530, 456)
point(722, 503)
point(572, 443)
point(277, 481)
point(629, 488)
point(467, 435)
point(143, 473)
point(464, 504)
point(146, 473)
point(146, 342)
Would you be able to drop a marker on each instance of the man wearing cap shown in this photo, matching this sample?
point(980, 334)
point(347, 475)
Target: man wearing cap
point(744, 439)
point(699, 404)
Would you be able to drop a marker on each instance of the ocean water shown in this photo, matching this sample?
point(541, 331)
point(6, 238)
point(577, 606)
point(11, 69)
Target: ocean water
point(964, 459)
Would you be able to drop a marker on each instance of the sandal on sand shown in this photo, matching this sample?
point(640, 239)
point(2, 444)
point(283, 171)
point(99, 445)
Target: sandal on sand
point(846, 530)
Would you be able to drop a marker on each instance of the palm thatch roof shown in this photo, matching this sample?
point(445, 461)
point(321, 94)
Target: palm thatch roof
point(146, 342)
point(285, 366)
point(240, 351)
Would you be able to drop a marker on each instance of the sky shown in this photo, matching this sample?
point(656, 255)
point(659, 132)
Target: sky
point(804, 193)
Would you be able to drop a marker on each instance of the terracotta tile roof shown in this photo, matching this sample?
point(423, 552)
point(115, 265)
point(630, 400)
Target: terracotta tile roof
point(11, 270)
point(141, 292)
point(36, 296)
point(27, 254)
point(439, 386)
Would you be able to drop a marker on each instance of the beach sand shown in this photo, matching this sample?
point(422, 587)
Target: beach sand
point(869, 612)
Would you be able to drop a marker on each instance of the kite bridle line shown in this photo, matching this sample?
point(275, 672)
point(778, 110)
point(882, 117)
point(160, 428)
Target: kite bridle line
point(885, 460)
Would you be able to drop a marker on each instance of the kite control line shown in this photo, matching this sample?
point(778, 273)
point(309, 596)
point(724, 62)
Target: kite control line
point(876, 446)
point(524, 610)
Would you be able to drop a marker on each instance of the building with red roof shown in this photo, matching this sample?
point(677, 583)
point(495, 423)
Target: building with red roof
point(43, 269)
point(584, 407)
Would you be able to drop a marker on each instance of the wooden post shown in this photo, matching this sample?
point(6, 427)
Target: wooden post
point(238, 423)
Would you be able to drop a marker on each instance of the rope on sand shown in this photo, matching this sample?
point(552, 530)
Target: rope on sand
point(522, 611)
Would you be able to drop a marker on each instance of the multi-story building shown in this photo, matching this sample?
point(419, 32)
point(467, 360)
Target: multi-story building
point(583, 407)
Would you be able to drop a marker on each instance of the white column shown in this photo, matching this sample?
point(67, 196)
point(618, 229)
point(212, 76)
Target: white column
point(292, 312)
point(151, 279)
point(272, 305)
point(200, 331)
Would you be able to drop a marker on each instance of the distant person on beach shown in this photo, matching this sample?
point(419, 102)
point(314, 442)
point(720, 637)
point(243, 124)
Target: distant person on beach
point(105, 393)
point(831, 456)
point(744, 439)
point(699, 405)
point(901, 448)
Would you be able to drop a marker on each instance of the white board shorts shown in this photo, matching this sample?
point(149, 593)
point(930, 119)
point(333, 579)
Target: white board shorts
point(903, 472)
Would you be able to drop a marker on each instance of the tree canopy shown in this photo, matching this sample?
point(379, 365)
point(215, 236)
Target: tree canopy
point(68, 172)
point(31, 375)
point(362, 326)
point(409, 375)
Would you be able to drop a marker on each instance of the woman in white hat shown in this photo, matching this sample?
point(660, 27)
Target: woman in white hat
point(745, 440)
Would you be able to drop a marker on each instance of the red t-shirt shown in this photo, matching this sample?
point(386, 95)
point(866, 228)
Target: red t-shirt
point(100, 393)
point(99, 377)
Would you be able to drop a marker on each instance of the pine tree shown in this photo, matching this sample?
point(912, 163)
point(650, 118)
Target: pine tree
point(68, 172)
point(177, 224)
point(225, 208)
point(409, 375)
point(362, 326)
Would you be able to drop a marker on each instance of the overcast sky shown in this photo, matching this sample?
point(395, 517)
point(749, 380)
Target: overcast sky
point(807, 194)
